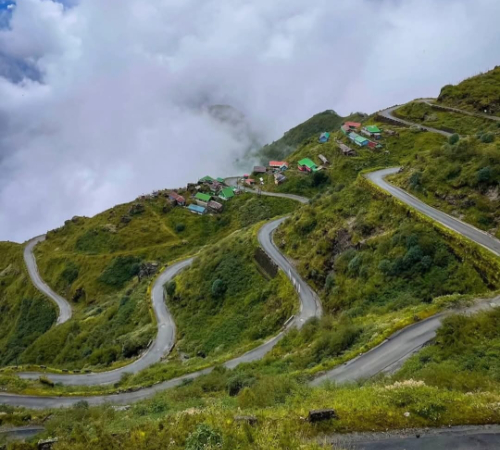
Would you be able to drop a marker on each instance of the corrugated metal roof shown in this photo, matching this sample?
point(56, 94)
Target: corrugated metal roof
point(206, 178)
point(196, 208)
point(221, 180)
point(277, 163)
point(373, 129)
point(227, 193)
point(203, 197)
point(307, 162)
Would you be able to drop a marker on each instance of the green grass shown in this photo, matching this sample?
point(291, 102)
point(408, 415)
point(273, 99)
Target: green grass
point(224, 301)
point(478, 94)
point(453, 122)
point(112, 317)
point(460, 179)
point(25, 314)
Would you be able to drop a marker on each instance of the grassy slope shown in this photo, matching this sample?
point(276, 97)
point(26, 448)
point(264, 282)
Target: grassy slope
point(477, 94)
point(249, 307)
point(449, 121)
point(461, 179)
point(24, 313)
point(112, 320)
point(310, 129)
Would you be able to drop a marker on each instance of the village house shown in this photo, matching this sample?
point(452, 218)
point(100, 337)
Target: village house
point(206, 180)
point(307, 165)
point(176, 199)
point(347, 151)
point(324, 137)
point(215, 187)
point(358, 140)
point(279, 178)
point(226, 193)
point(352, 125)
point(250, 181)
point(324, 160)
point(197, 209)
point(391, 132)
point(372, 131)
point(202, 199)
point(259, 169)
point(215, 206)
point(221, 181)
point(279, 165)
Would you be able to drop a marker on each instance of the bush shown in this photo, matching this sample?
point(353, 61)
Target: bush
point(121, 270)
point(171, 287)
point(204, 438)
point(453, 139)
point(180, 227)
point(484, 175)
point(487, 138)
point(218, 288)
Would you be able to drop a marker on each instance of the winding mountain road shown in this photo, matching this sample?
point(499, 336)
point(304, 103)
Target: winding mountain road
point(383, 358)
point(65, 311)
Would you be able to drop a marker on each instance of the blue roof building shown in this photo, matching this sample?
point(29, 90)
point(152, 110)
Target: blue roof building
point(197, 209)
point(324, 137)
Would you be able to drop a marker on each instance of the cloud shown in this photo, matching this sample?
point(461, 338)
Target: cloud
point(106, 100)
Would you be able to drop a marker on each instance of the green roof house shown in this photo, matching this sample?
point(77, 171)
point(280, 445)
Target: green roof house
point(372, 131)
point(202, 198)
point(221, 180)
point(307, 165)
point(226, 193)
point(206, 179)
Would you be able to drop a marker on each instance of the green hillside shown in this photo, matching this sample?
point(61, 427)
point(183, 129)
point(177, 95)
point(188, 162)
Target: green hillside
point(326, 121)
point(376, 265)
point(480, 93)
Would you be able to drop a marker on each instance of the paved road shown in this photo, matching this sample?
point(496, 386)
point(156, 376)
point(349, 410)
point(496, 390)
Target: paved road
point(233, 181)
point(162, 345)
point(309, 307)
point(388, 113)
point(460, 111)
point(65, 311)
point(482, 238)
point(459, 438)
point(389, 355)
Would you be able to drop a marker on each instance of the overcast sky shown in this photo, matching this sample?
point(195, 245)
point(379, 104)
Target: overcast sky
point(101, 101)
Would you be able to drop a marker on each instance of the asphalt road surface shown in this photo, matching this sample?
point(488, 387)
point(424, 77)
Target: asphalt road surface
point(458, 438)
point(65, 311)
point(388, 113)
point(482, 238)
point(165, 339)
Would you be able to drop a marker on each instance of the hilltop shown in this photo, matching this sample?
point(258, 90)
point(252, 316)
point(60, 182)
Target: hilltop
point(325, 121)
point(480, 93)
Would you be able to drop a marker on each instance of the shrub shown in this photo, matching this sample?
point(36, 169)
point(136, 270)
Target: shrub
point(171, 287)
point(484, 175)
point(218, 288)
point(70, 273)
point(453, 139)
point(487, 138)
point(204, 438)
point(180, 227)
point(121, 270)
point(46, 381)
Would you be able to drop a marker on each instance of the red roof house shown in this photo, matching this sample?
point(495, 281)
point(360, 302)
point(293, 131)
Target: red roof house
point(178, 198)
point(352, 125)
point(278, 164)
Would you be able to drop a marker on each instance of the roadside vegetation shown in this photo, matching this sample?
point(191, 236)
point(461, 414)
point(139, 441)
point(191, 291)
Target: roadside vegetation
point(452, 122)
point(25, 314)
point(226, 300)
point(480, 93)
point(461, 178)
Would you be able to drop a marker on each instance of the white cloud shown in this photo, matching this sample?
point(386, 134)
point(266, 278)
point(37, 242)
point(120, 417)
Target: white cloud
point(120, 109)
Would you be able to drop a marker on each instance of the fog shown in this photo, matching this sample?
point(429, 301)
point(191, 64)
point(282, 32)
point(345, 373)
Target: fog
point(101, 101)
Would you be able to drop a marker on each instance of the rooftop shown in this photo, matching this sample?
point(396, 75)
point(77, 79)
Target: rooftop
point(203, 197)
point(227, 192)
point(196, 208)
point(373, 129)
point(308, 163)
